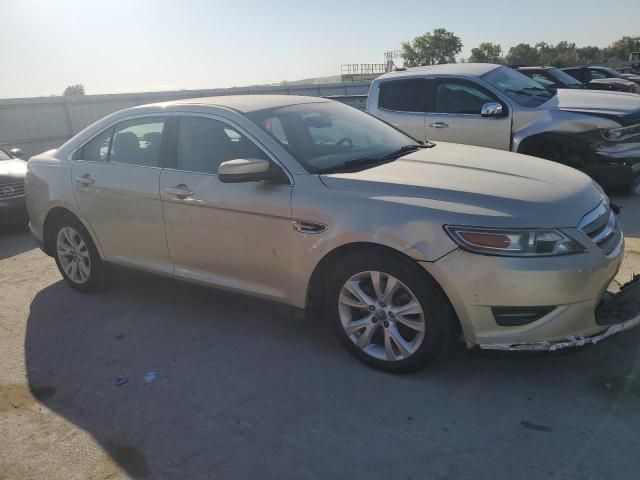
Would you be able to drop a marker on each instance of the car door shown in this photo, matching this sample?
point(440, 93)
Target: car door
point(456, 115)
point(116, 178)
point(402, 103)
point(233, 235)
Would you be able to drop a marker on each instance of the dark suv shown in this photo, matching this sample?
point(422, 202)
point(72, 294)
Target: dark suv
point(554, 78)
point(590, 73)
point(12, 198)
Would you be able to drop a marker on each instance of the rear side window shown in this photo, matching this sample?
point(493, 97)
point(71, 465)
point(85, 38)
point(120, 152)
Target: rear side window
point(462, 97)
point(404, 95)
point(132, 142)
point(577, 73)
point(203, 144)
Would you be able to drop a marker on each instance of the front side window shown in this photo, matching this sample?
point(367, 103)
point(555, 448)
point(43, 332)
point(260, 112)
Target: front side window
point(203, 144)
point(403, 95)
point(518, 87)
point(96, 149)
point(324, 136)
point(462, 97)
point(132, 142)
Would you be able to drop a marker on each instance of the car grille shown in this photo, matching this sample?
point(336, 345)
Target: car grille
point(9, 190)
point(601, 226)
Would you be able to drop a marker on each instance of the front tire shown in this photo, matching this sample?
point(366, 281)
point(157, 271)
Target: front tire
point(76, 255)
point(387, 312)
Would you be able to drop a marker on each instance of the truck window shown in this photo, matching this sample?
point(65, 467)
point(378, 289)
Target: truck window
point(404, 95)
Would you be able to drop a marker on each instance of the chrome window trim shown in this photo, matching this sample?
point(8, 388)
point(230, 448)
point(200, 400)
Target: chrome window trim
point(240, 129)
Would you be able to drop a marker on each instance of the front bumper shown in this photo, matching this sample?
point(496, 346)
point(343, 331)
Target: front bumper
point(625, 153)
point(573, 284)
point(621, 311)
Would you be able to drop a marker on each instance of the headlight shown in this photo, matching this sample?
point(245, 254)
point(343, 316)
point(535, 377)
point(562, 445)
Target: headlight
point(513, 242)
point(619, 134)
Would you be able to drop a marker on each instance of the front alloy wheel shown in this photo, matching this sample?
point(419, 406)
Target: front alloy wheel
point(387, 311)
point(381, 316)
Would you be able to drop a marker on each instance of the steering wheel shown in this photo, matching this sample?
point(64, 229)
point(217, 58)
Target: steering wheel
point(344, 141)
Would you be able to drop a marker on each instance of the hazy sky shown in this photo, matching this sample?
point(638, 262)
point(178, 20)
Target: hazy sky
point(136, 45)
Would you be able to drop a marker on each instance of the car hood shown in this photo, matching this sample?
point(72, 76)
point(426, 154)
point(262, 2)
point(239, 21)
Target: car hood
point(477, 186)
point(608, 104)
point(13, 168)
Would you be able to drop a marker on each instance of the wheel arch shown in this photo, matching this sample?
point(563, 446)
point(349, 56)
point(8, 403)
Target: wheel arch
point(314, 303)
point(54, 214)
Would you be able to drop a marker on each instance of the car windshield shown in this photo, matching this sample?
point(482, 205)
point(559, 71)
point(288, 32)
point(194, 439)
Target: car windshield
point(4, 155)
point(518, 87)
point(564, 77)
point(330, 136)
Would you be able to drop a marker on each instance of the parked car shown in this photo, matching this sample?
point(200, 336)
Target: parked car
point(589, 73)
point(12, 198)
point(554, 78)
point(494, 106)
point(316, 204)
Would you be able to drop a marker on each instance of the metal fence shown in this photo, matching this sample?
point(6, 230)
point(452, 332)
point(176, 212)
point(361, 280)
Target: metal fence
point(38, 124)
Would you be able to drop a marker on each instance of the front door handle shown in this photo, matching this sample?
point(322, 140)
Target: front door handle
point(180, 191)
point(439, 125)
point(85, 180)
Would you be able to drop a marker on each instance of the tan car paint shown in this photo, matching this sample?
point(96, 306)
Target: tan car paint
point(242, 237)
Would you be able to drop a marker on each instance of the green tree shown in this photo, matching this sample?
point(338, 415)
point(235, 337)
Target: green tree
point(523, 54)
point(590, 55)
point(620, 49)
point(432, 48)
point(74, 90)
point(486, 52)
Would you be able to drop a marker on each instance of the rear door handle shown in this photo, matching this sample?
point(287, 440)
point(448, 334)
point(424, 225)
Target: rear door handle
point(439, 125)
point(85, 180)
point(181, 191)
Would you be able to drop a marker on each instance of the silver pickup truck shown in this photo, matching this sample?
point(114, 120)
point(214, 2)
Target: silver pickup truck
point(493, 106)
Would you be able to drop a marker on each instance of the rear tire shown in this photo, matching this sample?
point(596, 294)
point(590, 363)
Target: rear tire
point(387, 312)
point(76, 255)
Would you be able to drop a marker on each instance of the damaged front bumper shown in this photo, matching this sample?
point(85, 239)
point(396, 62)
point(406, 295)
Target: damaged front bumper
point(621, 312)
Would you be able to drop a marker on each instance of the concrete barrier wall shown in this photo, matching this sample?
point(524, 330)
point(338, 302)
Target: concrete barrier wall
point(38, 124)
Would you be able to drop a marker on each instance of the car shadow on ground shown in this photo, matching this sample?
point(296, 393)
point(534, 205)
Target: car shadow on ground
point(242, 388)
point(14, 240)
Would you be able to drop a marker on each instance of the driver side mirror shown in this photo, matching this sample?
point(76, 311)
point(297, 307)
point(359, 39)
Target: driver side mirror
point(243, 170)
point(492, 109)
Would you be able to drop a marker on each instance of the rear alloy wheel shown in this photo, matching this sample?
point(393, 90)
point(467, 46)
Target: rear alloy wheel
point(387, 312)
point(73, 255)
point(76, 255)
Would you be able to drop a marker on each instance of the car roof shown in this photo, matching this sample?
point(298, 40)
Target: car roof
point(461, 69)
point(244, 103)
